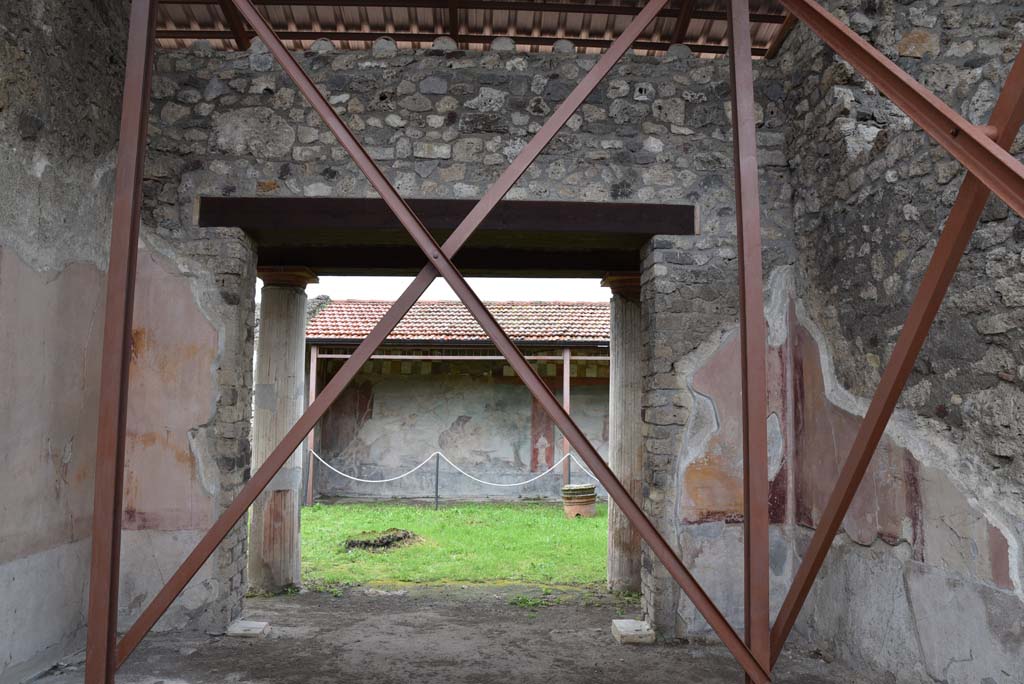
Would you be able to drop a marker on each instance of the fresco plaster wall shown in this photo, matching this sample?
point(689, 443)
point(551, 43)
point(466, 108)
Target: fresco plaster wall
point(391, 418)
point(925, 580)
point(56, 161)
point(59, 111)
point(936, 530)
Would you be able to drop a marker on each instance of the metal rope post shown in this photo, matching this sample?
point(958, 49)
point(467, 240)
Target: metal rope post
point(437, 477)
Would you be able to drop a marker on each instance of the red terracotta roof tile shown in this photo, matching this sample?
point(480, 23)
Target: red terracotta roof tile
point(450, 321)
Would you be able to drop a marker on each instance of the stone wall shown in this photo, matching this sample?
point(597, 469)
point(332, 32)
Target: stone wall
point(940, 511)
point(395, 414)
point(852, 197)
point(59, 100)
point(444, 123)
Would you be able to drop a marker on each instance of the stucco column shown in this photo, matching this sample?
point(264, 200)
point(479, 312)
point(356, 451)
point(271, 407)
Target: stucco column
point(625, 443)
point(274, 547)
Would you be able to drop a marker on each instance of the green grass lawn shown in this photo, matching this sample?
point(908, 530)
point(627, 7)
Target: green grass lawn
point(529, 543)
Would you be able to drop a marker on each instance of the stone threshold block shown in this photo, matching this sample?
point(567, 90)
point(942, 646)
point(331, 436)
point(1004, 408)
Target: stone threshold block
point(632, 632)
point(248, 629)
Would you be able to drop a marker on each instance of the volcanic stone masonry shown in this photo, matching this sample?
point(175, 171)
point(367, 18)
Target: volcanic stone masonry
point(927, 578)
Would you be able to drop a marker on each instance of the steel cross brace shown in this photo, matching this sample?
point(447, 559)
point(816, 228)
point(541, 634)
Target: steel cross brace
point(440, 263)
point(117, 329)
point(753, 361)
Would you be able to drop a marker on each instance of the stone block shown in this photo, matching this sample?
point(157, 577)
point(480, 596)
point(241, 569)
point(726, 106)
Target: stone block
point(384, 47)
point(632, 632)
point(248, 629)
point(503, 44)
point(563, 47)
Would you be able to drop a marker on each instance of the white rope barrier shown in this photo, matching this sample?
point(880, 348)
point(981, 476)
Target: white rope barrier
point(505, 484)
point(460, 470)
point(583, 467)
point(390, 479)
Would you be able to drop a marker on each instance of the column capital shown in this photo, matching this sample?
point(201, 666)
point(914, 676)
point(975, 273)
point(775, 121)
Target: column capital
point(626, 285)
point(286, 276)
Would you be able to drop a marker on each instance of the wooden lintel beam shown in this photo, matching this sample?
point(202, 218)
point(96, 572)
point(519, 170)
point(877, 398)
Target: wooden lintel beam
point(465, 357)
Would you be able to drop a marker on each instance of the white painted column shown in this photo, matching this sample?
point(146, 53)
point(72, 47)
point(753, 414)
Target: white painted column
point(274, 543)
point(625, 439)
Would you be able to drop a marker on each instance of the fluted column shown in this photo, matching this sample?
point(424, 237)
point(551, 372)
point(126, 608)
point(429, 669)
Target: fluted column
point(625, 440)
point(274, 543)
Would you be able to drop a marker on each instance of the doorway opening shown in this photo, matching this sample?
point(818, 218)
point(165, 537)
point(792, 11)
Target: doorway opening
point(438, 438)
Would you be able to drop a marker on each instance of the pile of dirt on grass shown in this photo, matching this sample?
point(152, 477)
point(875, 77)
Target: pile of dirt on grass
point(381, 541)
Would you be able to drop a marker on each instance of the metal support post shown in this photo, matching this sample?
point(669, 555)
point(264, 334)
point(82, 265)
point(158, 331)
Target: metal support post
point(101, 640)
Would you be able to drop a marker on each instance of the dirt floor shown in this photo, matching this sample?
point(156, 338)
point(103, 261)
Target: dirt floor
point(434, 635)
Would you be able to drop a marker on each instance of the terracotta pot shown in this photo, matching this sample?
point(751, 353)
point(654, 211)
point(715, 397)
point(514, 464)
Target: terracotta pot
point(579, 501)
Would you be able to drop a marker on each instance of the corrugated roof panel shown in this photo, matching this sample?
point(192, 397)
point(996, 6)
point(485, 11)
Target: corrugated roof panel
point(193, 20)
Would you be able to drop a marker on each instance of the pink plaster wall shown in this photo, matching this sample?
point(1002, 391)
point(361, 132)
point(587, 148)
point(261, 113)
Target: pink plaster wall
point(712, 483)
point(899, 501)
point(172, 391)
point(50, 354)
point(50, 334)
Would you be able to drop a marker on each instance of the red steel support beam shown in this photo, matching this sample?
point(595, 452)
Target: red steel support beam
point(440, 258)
point(507, 6)
point(314, 356)
point(776, 44)
point(538, 388)
point(992, 164)
point(453, 19)
point(686, 9)
point(567, 405)
point(104, 569)
point(754, 382)
point(1007, 118)
point(235, 23)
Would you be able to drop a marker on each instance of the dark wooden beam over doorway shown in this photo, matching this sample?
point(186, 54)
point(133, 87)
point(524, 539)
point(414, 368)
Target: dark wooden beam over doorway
point(361, 236)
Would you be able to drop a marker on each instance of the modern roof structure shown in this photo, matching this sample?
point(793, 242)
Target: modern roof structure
point(535, 25)
point(450, 322)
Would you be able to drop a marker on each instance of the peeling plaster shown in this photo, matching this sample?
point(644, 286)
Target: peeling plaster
point(921, 438)
point(704, 421)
